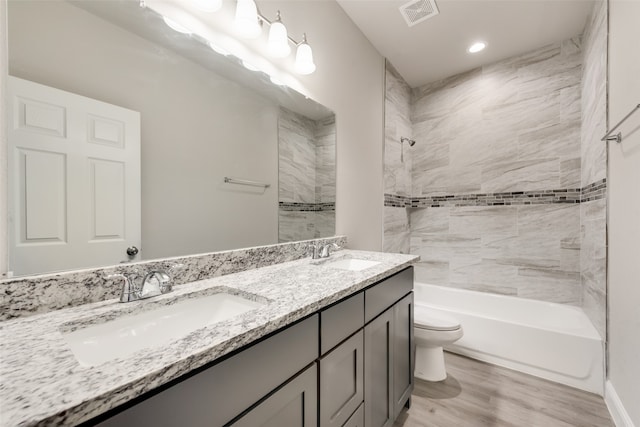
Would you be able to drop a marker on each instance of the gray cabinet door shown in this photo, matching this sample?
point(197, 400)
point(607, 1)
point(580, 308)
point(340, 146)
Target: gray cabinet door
point(403, 353)
point(293, 405)
point(341, 382)
point(378, 371)
point(357, 419)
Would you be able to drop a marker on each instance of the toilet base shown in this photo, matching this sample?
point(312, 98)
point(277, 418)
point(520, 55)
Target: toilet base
point(430, 364)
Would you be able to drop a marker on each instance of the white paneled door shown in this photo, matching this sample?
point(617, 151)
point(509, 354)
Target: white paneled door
point(74, 180)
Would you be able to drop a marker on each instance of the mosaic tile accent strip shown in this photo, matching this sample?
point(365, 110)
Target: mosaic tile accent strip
point(594, 191)
point(306, 207)
point(396, 201)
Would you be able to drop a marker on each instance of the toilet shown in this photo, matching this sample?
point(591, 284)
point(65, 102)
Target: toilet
point(433, 330)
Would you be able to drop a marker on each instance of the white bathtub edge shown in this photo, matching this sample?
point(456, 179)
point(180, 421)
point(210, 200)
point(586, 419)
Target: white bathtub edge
point(617, 410)
point(572, 355)
point(591, 385)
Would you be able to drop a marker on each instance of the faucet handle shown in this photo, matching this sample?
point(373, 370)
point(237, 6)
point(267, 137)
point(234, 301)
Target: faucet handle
point(326, 249)
point(156, 282)
point(176, 268)
point(130, 290)
point(167, 285)
point(314, 248)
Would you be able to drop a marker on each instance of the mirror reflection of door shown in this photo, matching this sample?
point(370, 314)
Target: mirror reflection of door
point(74, 169)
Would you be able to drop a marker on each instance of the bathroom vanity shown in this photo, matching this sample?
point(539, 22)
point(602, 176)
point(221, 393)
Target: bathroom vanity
point(331, 344)
point(276, 381)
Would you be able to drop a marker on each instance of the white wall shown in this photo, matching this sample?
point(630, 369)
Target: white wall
point(350, 81)
point(624, 206)
point(3, 141)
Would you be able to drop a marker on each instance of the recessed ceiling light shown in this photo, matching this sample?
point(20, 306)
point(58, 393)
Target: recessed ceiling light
point(477, 47)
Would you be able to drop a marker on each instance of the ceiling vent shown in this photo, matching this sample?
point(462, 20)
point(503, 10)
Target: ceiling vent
point(417, 11)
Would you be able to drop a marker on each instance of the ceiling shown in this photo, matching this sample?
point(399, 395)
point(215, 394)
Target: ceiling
point(437, 47)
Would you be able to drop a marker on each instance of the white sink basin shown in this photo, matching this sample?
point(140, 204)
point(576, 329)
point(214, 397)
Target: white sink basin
point(100, 343)
point(352, 264)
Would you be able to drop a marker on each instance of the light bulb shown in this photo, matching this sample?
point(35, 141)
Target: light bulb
point(304, 58)
point(219, 49)
point(249, 66)
point(208, 5)
point(276, 81)
point(246, 22)
point(278, 44)
point(175, 26)
point(477, 47)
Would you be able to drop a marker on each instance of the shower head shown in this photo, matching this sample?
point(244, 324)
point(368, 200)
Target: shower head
point(411, 142)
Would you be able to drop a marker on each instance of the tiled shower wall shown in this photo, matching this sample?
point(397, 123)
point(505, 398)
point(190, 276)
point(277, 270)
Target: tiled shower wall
point(397, 159)
point(306, 186)
point(492, 135)
point(593, 213)
point(498, 176)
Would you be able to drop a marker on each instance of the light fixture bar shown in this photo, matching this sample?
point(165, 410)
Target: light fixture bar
point(277, 45)
point(265, 20)
point(304, 63)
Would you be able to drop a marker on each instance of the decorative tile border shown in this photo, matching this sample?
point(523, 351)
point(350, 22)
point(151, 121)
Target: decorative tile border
point(306, 207)
point(594, 191)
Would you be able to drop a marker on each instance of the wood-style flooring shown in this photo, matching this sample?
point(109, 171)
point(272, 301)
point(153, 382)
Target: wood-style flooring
point(477, 394)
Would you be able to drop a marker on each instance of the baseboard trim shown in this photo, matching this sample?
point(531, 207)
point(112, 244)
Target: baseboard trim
point(618, 413)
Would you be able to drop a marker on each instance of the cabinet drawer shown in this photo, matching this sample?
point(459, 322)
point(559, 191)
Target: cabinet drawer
point(342, 382)
point(340, 321)
point(383, 295)
point(220, 393)
point(293, 405)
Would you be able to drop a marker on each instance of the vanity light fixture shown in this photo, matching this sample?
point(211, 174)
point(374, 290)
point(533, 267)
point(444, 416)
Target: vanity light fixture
point(208, 5)
point(278, 44)
point(246, 21)
point(304, 58)
point(175, 26)
point(476, 47)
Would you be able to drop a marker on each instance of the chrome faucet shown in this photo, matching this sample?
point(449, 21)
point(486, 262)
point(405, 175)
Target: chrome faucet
point(322, 251)
point(136, 286)
point(325, 250)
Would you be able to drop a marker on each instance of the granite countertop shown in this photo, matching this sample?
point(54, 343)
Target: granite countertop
point(42, 383)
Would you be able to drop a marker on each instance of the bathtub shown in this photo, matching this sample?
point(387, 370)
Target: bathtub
point(552, 341)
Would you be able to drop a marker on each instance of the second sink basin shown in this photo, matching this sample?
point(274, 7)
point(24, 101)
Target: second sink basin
point(96, 344)
point(352, 264)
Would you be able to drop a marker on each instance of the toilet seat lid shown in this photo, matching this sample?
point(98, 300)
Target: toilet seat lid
point(435, 321)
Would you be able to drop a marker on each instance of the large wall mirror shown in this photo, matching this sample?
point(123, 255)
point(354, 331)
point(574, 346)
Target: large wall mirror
point(122, 132)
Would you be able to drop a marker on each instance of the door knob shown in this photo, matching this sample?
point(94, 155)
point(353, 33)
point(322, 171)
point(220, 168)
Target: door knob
point(132, 251)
